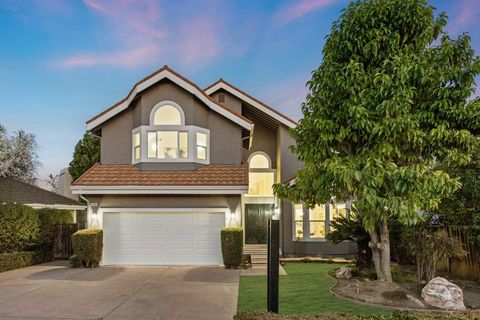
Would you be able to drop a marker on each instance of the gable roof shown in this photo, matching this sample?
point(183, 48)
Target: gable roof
point(222, 84)
point(167, 73)
point(14, 191)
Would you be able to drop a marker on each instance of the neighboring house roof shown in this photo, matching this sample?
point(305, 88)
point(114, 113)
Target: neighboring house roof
point(120, 178)
point(222, 84)
point(14, 191)
point(167, 73)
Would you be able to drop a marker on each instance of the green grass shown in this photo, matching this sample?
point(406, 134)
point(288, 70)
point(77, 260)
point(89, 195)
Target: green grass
point(305, 290)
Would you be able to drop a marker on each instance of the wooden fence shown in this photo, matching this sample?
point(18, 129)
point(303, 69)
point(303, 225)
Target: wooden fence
point(467, 267)
point(62, 245)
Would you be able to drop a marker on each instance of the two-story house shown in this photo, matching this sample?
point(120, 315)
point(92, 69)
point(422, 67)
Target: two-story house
point(179, 163)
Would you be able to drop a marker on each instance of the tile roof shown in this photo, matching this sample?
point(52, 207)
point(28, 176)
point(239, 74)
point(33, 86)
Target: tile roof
point(129, 175)
point(12, 190)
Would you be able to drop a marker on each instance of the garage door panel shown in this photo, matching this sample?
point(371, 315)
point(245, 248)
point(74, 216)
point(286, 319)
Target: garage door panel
point(162, 238)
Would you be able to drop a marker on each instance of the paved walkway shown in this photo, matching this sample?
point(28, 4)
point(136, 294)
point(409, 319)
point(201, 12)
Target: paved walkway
point(55, 291)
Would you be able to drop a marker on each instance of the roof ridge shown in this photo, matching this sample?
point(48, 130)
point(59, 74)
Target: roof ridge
point(221, 80)
point(166, 68)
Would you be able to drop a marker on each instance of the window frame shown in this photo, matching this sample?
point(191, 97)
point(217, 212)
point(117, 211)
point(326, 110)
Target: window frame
point(167, 103)
point(260, 170)
point(191, 144)
point(306, 221)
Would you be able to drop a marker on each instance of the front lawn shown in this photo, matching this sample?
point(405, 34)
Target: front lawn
point(305, 290)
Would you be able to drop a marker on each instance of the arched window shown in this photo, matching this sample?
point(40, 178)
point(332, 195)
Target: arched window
point(261, 176)
point(259, 161)
point(167, 113)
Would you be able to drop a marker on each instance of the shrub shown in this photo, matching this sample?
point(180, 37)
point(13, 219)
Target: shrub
point(15, 260)
point(19, 227)
point(462, 315)
point(87, 246)
point(75, 262)
point(232, 247)
point(48, 218)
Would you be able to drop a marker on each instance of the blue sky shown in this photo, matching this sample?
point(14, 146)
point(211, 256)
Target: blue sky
point(63, 61)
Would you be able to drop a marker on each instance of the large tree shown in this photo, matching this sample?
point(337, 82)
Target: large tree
point(18, 155)
point(86, 154)
point(389, 101)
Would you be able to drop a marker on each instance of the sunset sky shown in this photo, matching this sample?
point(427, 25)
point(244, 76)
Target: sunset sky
point(63, 61)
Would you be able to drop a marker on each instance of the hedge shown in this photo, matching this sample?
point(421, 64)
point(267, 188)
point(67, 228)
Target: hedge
point(232, 247)
point(48, 218)
point(20, 227)
point(24, 228)
point(457, 315)
point(87, 247)
point(15, 260)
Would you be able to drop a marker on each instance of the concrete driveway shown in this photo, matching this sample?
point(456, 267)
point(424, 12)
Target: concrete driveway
point(55, 291)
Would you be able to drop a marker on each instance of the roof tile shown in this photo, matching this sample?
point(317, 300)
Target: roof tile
point(129, 175)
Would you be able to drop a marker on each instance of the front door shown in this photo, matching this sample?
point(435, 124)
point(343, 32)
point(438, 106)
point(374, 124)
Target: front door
point(256, 222)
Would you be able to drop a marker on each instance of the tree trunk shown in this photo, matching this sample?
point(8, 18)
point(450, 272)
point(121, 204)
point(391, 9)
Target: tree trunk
point(385, 238)
point(376, 254)
point(380, 246)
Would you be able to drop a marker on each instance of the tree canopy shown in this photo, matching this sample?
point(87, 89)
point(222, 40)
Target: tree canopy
point(389, 101)
point(86, 154)
point(18, 155)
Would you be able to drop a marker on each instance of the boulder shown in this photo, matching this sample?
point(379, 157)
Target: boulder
point(344, 273)
point(441, 293)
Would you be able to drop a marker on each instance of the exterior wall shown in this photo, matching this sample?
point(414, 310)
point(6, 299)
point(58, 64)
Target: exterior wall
point(322, 248)
point(289, 162)
point(231, 102)
point(264, 140)
point(116, 142)
point(230, 203)
point(225, 136)
point(64, 183)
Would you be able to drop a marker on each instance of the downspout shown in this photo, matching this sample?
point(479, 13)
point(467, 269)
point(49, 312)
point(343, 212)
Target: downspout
point(88, 208)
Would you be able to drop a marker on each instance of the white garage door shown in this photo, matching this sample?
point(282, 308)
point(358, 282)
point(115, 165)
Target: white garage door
point(162, 238)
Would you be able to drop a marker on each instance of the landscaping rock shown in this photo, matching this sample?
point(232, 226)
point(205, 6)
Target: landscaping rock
point(344, 273)
point(441, 293)
point(415, 300)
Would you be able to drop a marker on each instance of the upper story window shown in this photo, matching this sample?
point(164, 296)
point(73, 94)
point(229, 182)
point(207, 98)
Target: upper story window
point(167, 138)
point(167, 114)
point(261, 175)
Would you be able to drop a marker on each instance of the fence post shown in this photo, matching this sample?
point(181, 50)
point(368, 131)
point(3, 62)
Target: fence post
point(273, 265)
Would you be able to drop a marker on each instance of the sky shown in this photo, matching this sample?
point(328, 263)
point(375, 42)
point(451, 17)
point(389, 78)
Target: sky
point(64, 61)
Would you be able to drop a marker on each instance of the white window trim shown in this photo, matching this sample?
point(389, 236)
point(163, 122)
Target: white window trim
point(192, 144)
point(306, 224)
point(167, 103)
point(263, 154)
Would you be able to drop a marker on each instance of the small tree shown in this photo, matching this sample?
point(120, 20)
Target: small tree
point(462, 208)
point(388, 102)
point(18, 155)
point(86, 154)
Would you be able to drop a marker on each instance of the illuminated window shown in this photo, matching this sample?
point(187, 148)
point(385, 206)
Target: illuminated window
point(167, 115)
point(201, 146)
point(261, 177)
point(259, 161)
point(136, 145)
point(167, 144)
point(298, 221)
point(260, 184)
point(317, 218)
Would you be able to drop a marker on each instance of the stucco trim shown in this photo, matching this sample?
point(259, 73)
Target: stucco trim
point(166, 73)
point(221, 84)
point(159, 190)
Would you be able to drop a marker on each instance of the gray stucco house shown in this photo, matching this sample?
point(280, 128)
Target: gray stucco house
point(179, 163)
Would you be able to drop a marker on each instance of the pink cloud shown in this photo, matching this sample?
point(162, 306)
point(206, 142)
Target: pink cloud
point(143, 34)
point(127, 58)
point(467, 13)
point(198, 40)
point(301, 8)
